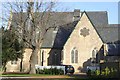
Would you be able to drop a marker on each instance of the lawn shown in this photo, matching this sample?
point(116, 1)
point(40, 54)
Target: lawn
point(35, 75)
point(52, 77)
point(22, 75)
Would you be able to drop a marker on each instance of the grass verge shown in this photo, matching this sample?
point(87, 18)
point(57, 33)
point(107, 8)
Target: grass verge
point(32, 75)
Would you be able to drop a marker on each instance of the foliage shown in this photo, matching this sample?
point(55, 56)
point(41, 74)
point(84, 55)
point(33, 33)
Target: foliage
point(97, 72)
point(105, 73)
point(89, 72)
point(110, 72)
point(52, 71)
point(31, 26)
point(11, 48)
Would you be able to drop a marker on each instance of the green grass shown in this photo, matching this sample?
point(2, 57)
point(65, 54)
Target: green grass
point(29, 75)
point(65, 77)
point(25, 75)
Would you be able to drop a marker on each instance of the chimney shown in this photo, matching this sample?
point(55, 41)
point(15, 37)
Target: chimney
point(76, 15)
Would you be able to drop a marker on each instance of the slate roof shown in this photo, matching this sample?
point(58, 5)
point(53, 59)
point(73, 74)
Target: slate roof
point(65, 24)
point(113, 50)
point(98, 18)
point(63, 34)
point(109, 33)
point(57, 38)
point(61, 18)
point(49, 38)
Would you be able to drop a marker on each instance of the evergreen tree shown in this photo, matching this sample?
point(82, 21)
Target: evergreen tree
point(11, 47)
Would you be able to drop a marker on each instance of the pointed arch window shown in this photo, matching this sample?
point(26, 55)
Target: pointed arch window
point(94, 52)
point(74, 55)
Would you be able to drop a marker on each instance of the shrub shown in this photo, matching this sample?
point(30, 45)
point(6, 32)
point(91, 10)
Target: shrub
point(102, 72)
point(89, 72)
point(53, 71)
point(107, 71)
point(60, 71)
point(97, 72)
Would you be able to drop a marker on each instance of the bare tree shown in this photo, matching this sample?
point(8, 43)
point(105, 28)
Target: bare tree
point(30, 20)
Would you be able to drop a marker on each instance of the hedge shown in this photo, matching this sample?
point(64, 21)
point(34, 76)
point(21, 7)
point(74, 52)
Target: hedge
point(53, 71)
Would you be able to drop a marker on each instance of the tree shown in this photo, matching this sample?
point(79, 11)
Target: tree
point(11, 47)
point(31, 20)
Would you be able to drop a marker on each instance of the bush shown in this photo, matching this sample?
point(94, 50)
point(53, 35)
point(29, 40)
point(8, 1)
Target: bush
point(89, 72)
point(107, 73)
point(97, 72)
point(53, 71)
point(39, 71)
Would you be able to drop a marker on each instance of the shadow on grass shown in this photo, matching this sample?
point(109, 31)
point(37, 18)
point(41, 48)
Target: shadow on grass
point(51, 77)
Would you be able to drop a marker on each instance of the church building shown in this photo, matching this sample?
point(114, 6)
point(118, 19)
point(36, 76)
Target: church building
point(80, 39)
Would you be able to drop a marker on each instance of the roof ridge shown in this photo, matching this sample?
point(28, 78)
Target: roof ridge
point(65, 11)
point(96, 11)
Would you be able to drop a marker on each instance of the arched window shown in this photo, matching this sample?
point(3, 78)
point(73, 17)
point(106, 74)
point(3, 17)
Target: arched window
point(74, 56)
point(42, 57)
point(62, 55)
point(94, 52)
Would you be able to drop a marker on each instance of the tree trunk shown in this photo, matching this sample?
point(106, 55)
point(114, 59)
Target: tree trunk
point(4, 67)
point(21, 65)
point(33, 61)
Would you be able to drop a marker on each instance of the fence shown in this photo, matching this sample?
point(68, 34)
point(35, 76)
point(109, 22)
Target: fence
point(48, 67)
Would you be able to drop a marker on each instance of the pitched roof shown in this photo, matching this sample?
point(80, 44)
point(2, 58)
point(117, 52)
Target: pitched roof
point(64, 21)
point(109, 33)
point(57, 39)
point(98, 18)
point(49, 38)
point(113, 50)
point(64, 31)
point(61, 18)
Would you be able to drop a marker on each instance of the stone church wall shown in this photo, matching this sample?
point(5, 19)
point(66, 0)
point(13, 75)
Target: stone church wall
point(84, 38)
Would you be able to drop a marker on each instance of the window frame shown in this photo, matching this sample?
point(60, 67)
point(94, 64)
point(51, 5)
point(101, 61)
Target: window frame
point(74, 56)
